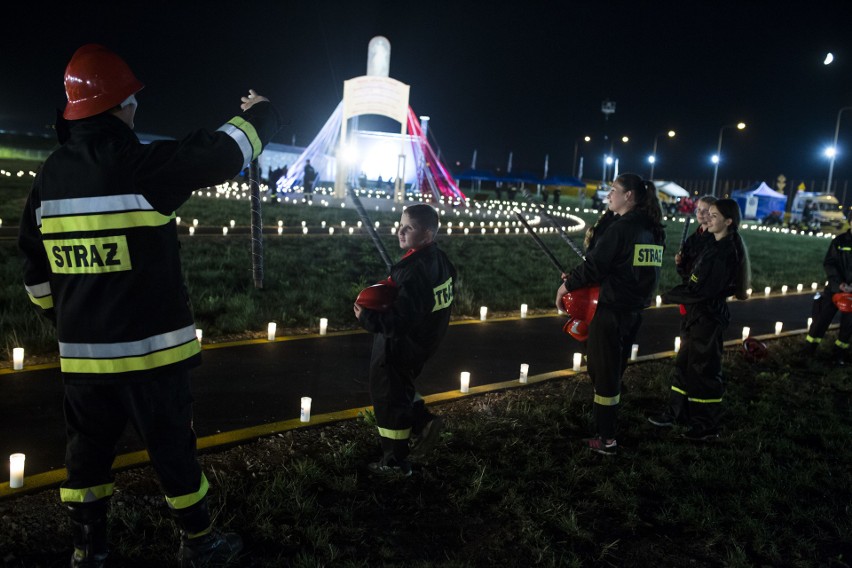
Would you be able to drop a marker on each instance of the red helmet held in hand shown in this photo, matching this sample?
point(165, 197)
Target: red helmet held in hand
point(754, 350)
point(843, 301)
point(96, 80)
point(379, 297)
point(580, 304)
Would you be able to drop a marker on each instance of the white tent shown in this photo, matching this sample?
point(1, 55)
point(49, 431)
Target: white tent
point(671, 189)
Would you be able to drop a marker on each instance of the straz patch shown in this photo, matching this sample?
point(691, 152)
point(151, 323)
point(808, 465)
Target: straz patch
point(647, 255)
point(443, 295)
point(88, 256)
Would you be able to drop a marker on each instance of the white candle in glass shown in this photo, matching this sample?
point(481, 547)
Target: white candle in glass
point(18, 358)
point(659, 301)
point(323, 326)
point(778, 327)
point(578, 361)
point(677, 345)
point(746, 332)
point(767, 290)
point(634, 352)
point(270, 330)
point(16, 470)
point(199, 334)
point(810, 321)
point(524, 309)
point(525, 369)
point(483, 313)
point(465, 381)
point(305, 413)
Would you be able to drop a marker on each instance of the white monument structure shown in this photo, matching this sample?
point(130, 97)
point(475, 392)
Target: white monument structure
point(344, 153)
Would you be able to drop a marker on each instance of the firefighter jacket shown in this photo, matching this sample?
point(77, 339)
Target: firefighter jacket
point(100, 242)
point(691, 250)
point(838, 262)
point(625, 261)
point(712, 281)
point(421, 312)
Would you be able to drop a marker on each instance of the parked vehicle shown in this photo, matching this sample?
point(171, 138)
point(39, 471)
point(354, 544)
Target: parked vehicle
point(816, 210)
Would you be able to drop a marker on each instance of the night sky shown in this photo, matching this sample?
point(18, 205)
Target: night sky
point(526, 77)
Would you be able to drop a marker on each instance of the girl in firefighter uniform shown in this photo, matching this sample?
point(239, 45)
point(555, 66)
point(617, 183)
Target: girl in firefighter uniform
point(624, 259)
point(721, 271)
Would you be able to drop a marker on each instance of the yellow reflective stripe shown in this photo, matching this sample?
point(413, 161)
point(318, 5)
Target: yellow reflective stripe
point(250, 132)
point(810, 339)
point(184, 501)
point(395, 434)
point(607, 400)
point(45, 302)
point(88, 256)
point(681, 391)
point(443, 295)
point(126, 364)
point(704, 400)
point(841, 344)
point(86, 494)
point(103, 222)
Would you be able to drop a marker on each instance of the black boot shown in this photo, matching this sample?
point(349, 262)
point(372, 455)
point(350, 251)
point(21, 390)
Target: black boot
point(89, 524)
point(215, 548)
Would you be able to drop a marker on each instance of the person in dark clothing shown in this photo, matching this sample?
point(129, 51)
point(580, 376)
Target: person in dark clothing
point(406, 336)
point(695, 243)
point(838, 269)
point(721, 271)
point(624, 260)
point(123, 320)
point(309, 178)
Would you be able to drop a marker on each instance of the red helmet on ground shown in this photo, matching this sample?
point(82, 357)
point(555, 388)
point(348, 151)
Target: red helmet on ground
point(754, 350)
point(582, 302)
point(379, 296)
point(96, 80)
point(576, 328)
point(843, 301)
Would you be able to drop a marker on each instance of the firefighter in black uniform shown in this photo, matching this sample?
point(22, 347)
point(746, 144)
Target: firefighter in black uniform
point(721, 271)
point(405, 337)
point(625, 262)
point(695, 243)
point(101, 259)
point(838, 269)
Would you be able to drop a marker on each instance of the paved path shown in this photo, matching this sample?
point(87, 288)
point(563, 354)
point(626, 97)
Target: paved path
point(256, 383)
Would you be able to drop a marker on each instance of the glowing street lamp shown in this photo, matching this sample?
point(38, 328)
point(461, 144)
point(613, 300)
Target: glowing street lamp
point(608, 159)
point(652, 159)
point(718, 156)
point(832, 151)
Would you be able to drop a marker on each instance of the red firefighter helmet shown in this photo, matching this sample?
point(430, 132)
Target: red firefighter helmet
point(96, 80)
point(580, 304)
point(754, 350)
point(577, 328)
point(843, 301)
point(379, 296)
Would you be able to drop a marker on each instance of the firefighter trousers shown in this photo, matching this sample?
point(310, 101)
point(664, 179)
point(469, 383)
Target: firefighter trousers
point(697, 386)
point(160, 411)
point(823, 311)
point(611, 335)
point(399, 409)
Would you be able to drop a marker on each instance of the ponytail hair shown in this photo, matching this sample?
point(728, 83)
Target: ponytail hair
point(645, 197)
point(729, 209)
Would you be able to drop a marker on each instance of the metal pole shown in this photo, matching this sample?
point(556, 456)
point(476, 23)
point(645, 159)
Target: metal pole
point(256, 227)
point(654, 155)
point(834, 145)
point(716, 165)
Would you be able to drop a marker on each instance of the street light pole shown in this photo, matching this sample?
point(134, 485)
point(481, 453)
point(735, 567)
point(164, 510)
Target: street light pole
point(576, 149)
point(834, 146)
point(718, 159)
point(653, 157)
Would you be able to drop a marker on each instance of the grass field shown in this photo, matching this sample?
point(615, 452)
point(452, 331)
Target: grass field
point(319, 275)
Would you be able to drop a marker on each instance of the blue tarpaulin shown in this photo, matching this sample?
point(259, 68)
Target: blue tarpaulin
point(759, 200)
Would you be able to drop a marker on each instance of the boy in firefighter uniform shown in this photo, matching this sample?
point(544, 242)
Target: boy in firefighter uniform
point(721, 271)
point(102, 260)
point(838, 269)
point(406, 336)
point(624, 260)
